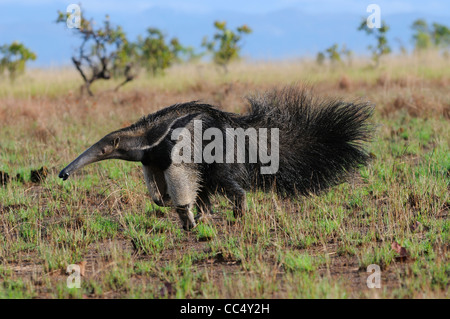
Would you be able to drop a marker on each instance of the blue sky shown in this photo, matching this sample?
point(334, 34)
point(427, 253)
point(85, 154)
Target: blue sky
point(282, 29)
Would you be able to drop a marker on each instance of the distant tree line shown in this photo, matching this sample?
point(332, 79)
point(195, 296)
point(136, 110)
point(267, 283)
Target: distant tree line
point(426, 37)
point(105, 51)
point(436, 36)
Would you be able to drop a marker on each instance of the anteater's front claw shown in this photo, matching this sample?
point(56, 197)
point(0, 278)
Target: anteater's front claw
point(186, 217)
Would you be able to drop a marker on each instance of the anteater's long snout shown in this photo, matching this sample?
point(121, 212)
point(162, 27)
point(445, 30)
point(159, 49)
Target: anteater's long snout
point(89, 156)
point(64, 174)
point(69, 169)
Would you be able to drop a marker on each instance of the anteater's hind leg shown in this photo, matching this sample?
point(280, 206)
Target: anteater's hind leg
point(182, 185)
point(203, 204)
point(236, 193)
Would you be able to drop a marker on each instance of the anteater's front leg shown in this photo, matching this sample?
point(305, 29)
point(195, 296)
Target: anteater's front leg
point(156, 185)
point(182, 185)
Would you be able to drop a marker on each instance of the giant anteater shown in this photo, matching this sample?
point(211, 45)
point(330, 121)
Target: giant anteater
point(314, 143)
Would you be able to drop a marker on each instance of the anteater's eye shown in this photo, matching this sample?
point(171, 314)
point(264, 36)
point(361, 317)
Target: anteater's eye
point(103, 151)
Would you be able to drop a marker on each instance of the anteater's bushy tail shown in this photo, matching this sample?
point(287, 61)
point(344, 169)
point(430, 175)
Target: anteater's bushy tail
point(321, 140)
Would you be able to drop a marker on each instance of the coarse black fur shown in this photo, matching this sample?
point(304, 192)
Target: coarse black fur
point(321, 140)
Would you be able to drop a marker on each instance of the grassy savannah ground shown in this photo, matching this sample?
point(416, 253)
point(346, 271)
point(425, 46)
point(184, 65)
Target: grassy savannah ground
point(314, 247)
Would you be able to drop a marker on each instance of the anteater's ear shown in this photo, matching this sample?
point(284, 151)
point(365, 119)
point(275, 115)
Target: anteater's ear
point(116, 142)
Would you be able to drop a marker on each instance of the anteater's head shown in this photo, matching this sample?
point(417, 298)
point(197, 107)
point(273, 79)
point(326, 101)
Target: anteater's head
point(117, 145)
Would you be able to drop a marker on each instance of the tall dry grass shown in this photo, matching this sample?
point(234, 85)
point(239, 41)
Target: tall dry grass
point(402, 70)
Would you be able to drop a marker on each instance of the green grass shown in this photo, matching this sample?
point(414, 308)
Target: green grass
point(205, 232)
